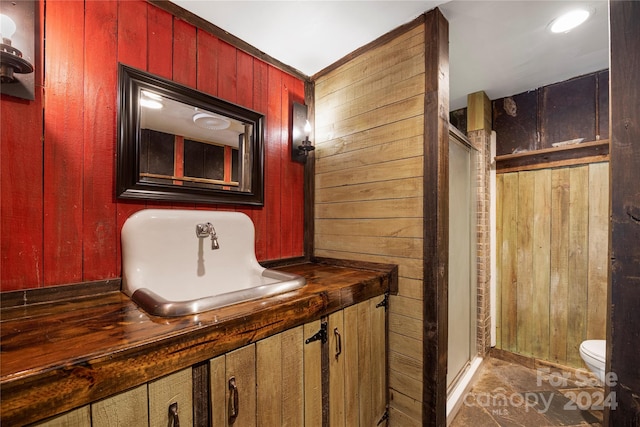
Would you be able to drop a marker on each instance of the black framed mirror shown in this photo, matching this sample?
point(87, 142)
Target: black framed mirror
point(182, 145)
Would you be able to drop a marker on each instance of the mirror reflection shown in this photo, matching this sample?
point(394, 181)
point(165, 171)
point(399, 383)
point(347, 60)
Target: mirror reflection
point(185, 145)
point(179, 144)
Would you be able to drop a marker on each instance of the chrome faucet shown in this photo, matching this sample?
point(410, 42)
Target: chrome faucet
point(205, 230)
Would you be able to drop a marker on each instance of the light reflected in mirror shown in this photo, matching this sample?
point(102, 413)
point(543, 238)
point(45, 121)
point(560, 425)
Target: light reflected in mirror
point(185, 145)
point(179, 144)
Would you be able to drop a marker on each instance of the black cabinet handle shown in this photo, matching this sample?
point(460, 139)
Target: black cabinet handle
point(173, 415)
point(338, 342)
point(233, 400)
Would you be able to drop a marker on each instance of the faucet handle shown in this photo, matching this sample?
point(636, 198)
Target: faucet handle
point(204, 229)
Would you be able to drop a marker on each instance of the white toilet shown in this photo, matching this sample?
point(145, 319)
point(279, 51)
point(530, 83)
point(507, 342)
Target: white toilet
point(593, 353)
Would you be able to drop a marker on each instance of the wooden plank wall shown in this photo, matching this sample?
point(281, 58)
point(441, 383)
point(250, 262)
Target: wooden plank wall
point(368, 185)
point(60, 221)
point(552, 246)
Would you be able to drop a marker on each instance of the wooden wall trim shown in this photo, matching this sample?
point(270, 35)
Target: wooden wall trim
point(623, 333)
point(207, 26)
point(580, 154)
point(309, 175)
point(436, 219)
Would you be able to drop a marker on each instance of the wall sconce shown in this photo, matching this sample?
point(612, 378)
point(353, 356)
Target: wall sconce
point(12, 60)
point(17, 50)
point(300, 143)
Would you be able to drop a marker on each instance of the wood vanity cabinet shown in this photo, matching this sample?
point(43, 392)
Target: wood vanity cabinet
point(286, 379)
point(278, 381)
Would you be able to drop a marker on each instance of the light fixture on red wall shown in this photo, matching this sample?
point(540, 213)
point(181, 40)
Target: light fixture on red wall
point(17, 29)
point(301, 129)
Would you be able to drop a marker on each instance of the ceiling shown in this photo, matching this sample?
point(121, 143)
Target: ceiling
point(501, 47)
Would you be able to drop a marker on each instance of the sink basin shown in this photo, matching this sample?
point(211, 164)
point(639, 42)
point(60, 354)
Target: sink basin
point(168, 270)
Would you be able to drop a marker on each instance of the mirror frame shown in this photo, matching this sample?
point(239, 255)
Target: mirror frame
point(128, 183)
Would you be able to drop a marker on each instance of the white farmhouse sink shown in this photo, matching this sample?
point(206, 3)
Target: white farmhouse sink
point(169, 271)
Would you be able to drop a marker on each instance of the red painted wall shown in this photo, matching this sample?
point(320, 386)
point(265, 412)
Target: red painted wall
point(60, 220)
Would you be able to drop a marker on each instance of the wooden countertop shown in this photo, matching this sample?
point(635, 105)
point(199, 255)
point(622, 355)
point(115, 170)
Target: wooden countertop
point(63, 355)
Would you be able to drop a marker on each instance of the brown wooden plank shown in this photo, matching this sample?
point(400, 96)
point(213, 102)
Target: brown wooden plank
point(269, 372)
point(378, 359)
point(559, 284)
point(499, 271)
point(218, 391)
point(524, 244)
point(312, 377)
point(351, 374)
point(541, 213)
point(99, 252)
point(568, 110)
point(578, 262)
point(365, 383)
point(598, 276)
point(583, 153)
point(625, 211)
point(293, 377)
point(241, 365)
point(436, 169)
point(163, 392)
point(64, 141)
point(509, 278)
point(129, 408)
point(337, 400)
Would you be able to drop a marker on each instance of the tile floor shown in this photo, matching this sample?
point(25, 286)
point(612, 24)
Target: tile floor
point(509, 394)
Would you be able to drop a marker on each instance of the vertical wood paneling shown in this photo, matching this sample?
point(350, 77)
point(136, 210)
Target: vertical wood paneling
point(260, 103)
point(578, 261)
point(269, 381)
point(541, 264)
point(57, 180)
point(560, 271)
point(21, 183)
point(524, 275)
point(292, 377)
point(160, 44)
point(64, 143)
point(508, 283)
point(336, 372)
point(227, 72)
point(312, 378)
point(207, 51)
point(241, 364)
point(598, 249)
point(132, 36)
point(295, 174)
point(559, 264)
point(100, 235)
point(184, 53)
point(499, 273)
point(273, 169)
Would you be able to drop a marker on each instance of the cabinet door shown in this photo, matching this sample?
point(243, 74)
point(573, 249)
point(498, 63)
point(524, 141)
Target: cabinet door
point(128, 408)
point(171, 393)
point(357, 365)
point(233, 388)
point(279, 362)
point(312, 376)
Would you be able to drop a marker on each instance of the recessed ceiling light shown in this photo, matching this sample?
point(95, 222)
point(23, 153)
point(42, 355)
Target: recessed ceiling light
point(570, 20)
